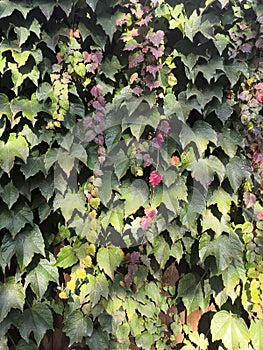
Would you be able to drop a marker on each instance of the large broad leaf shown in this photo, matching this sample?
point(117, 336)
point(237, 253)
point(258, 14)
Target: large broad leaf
point(16, 219)
point(230, 329)
point(135, 194)
point(97, 287)
point(222, 199)
point(92, 4)
point(66, 257)
point(29, 242)
point(204, 169)
point(40, 277)
point(70, 203)
point(255, 332)
point(225, 249)
point(15, 147)
point(236, 170)
point(161, 251)
point(108, 259)
point(201, 134)
point(145, 340)
point(77, 326)
point(38, 320)
point(12, 296)
point(229, 140)
point(98, 340)
point(190, 289)
point(10, 194)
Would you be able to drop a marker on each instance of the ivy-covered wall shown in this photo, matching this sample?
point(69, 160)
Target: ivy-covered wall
point(131, 174)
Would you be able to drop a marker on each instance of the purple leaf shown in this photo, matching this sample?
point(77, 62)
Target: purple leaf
point(157, 53)
point(154, 69)
point(137, 91)
point(157, 37)
point(135, 60)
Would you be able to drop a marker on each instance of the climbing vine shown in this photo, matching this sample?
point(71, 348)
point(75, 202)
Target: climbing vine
point(131, 174)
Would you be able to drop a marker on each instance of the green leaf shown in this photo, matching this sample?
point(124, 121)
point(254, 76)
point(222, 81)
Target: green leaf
point(229, 140)
point(97, 287)
point(22, 345)
point(22, 35)
point(105, 187)
point(222, 199)
point(123, 332)
point(108, 259)
point(5, 106)
point(10, 194)
point(32, 166)
point(77, 326)
point(224, 248)
point(70, 203)
point(201, 134)
point(98, 340)
point(111, 67)
point(145, 340)
point(12, 296)
point(190, 289)
point(14, 220)
point(135, 195)
point(40, 277)
point(66, 257)
point(221, 41)
point(255, 332)
point(29, 108)
point(204, 169)
point(236, 170)
point(161, 251)
point(37, 319)
point(230, 329)
point(15, 147)
point(29, 242)
point(92, 4)
point(235, 70)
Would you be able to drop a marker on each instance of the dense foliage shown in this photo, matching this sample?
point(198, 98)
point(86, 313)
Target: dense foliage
point(131, 174)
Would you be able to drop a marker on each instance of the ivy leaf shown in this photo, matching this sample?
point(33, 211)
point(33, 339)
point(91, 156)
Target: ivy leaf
point(190, 289)
point(22, 35)
point(255, 331)
point(230, 329)
point(236, 170)
point(10, 194)
point(145, 340)
point(111, 67)
point(161, 251)
point(29, 242)
point(92, 4)
point(135, 195)
point(40, 277)
point(222, 199)
point(66, 257)
point(77, 326)
point(97, 287)
point(16, 219)
point(235, 70)
point(98, 340)
point(5, 106)
point(221, 41)
point(229, 140)
point(70, 203)
point(29, 108)
point(12, 296)
point(15, 147)
point(224, 248)
point(22, 345)
point(109, 258)
point(33, 166)
point(38, 319)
